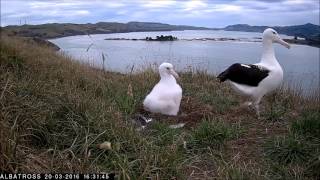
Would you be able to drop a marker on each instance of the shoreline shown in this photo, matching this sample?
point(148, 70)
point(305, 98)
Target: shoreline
point(291, 41)
point(58, 30)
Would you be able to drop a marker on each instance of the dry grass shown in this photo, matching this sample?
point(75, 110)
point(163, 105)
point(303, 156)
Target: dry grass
point(54, 112)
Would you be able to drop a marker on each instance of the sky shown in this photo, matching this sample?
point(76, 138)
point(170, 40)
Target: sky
point(206, 13)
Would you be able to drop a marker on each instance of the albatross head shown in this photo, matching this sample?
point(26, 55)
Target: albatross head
point(166, 69)
point(273, 36)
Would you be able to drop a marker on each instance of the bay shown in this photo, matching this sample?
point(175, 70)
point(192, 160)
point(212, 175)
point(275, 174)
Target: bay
point(193, 52)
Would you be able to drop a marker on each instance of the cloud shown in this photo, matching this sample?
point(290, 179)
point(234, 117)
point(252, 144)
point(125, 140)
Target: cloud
point(157, 3)
point(217, 13)
point(228, 8)
point(194, 4)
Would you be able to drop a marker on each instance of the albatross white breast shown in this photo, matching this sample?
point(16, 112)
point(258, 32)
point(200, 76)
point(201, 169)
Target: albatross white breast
point(255, 80)
point(166, 96)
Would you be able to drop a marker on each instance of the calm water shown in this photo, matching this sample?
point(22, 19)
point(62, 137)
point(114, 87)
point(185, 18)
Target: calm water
point(300, 63)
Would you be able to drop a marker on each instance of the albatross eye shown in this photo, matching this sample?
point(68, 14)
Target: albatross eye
point(273, 32)
point(168, 68)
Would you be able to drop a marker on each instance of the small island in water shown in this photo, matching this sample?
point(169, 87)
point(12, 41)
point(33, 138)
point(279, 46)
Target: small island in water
point(295, 40)
point(162, 38)
point(158, 38)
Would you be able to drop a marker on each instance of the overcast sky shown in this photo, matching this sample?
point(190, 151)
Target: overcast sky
point(213, 13)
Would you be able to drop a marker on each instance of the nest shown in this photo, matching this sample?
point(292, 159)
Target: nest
point(191, 113)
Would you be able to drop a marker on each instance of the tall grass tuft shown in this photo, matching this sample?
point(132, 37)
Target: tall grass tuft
point(308, 124)
point(313, 166)
point(286, 150)
point(103, 55)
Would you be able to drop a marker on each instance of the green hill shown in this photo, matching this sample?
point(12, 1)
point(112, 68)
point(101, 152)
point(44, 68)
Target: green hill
point(308, 31)
point(56, 30)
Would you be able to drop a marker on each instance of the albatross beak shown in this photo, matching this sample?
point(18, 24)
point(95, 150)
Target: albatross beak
point(283, 43)
point(174, 74)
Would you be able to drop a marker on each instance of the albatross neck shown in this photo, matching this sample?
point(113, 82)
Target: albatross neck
point(168, 78)
point(268, 56)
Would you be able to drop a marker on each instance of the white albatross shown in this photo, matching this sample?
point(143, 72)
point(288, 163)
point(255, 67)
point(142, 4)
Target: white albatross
point(256, 80)
point(165, 96)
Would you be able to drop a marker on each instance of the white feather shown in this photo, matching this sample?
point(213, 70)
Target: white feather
point(244, 65)
point(166, 95)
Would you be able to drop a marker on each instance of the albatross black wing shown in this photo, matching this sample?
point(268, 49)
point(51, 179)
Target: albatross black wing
point(247, 74)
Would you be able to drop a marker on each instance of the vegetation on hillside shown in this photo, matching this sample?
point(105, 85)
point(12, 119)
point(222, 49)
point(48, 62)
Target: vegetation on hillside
point(55, 112)
point(310, 32)
point(305, 30)
point(55, 30)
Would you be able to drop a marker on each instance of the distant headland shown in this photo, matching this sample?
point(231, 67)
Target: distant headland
point(308, 34)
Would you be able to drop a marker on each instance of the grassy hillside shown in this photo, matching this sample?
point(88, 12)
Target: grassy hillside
point(55, 112)
point(55, 30)
point(310, 32)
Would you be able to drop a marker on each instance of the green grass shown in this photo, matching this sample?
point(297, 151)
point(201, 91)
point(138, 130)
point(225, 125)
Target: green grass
point(280, 103)
point(212, 134)
point(313, 166)
point(54, 112)
point(308, 124)
point(162, 135)
point(287, 150)
point(218, 98)
point(237, 174)
point(280, 171)
point(296, 155)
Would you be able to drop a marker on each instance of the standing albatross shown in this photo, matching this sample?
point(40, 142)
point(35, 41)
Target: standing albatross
point(165, 96)
point(255, 80)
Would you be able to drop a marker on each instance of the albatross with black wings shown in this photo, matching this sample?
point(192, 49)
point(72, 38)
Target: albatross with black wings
point(256, 80)
point(248, 74)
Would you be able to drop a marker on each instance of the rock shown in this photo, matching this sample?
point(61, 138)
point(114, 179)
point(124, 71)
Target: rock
point(176, 126)
point(105, 145)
